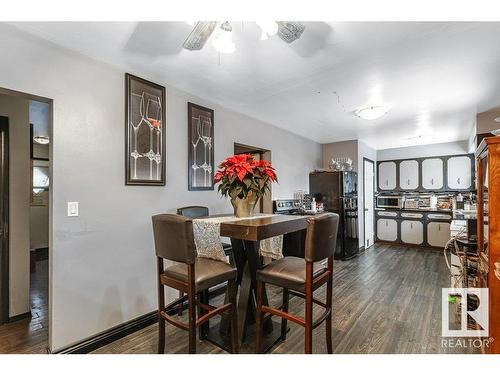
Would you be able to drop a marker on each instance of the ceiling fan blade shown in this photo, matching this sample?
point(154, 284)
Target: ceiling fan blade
point(290, 31)
point(199, 36)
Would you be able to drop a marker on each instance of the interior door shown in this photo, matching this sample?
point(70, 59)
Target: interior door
point(4, 219)
point(368, 178)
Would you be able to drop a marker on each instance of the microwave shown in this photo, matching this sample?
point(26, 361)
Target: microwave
point(389, 201)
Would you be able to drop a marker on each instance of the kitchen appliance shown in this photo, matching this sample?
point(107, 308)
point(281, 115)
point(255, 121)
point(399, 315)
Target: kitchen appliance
point(338, 192)
point(294, 242)
point(286, 206)
point(390, 201)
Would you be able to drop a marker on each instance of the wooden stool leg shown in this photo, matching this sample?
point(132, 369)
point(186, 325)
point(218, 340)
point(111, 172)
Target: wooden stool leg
point(181, 305)
point(286, 298)
point(161, 307)
point(201, 312)
point(309, 308)
point(258, 323)
point(192, 310)
point(234, 316)
point(328, 321)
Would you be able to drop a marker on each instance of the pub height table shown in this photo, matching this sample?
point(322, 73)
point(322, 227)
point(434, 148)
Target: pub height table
point(245, 238)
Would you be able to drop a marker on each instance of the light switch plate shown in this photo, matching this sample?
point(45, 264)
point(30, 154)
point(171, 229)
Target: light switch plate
point(72, 208)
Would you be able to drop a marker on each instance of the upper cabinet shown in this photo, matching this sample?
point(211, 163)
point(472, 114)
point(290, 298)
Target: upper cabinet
point(432, 174)
point(435, 173)
point(459, 173)
point(387, 175)
point(408, 175)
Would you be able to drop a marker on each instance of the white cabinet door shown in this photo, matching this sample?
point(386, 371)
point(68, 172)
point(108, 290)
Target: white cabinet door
point(387, 229)
point(432, 174)
point(459, 172)
point(408, 174)
point(387, 175)
point(438, 234)
point(412, 232)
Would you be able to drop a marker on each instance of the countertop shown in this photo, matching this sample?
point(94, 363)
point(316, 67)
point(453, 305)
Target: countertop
point(416, 210)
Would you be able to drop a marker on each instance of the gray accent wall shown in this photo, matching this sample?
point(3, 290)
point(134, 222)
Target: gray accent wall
point(102, 262)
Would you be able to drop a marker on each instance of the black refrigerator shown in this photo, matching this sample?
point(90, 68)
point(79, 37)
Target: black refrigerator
point(338, 191)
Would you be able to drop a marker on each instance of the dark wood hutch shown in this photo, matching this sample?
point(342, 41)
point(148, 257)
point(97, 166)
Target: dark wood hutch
point(488, 188)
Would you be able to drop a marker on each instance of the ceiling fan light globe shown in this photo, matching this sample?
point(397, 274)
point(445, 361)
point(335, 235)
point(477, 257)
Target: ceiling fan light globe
point(372, 112)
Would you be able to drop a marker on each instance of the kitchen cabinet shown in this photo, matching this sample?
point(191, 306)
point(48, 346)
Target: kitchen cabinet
point(459, 174)
point(387, 229)
point(387, 175)
point(412, 232)
point(408, 175)
point(432, 174)
point(438, 233)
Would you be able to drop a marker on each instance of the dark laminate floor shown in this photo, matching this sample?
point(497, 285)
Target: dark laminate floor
point(388, 300)
point(30, 335)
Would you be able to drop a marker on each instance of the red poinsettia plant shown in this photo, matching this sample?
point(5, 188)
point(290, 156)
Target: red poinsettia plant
point(241, 175)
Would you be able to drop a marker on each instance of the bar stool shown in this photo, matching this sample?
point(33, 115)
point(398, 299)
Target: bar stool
point(194, 212)
point(301, 277)
point(174, 240)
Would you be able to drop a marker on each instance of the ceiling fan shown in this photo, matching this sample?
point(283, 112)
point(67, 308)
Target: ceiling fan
point(288, 31)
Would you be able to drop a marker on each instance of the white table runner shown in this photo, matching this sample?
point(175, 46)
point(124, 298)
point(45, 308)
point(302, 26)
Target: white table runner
point(209, 245)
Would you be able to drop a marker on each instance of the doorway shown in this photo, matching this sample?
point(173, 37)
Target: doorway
point(266, 202)
point(25, 199)
point(368, 199)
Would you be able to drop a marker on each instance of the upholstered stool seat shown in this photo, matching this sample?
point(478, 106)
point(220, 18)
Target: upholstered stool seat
point(208, 273)
point(289, 272)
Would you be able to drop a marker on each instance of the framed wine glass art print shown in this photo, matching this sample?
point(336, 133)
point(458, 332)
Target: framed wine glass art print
point(145, 132)
point(201, 148)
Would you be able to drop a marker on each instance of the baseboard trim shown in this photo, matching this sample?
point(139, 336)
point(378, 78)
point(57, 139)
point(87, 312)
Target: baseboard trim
point(22, 316)
point(113, 334)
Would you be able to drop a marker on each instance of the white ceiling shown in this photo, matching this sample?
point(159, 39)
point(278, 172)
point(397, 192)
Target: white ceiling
point(436, 76)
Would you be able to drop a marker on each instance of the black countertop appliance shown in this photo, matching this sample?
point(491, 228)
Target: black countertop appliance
point(338, 191)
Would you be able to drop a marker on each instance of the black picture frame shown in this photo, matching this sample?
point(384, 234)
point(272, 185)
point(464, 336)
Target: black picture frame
point(201, 124)
point(145, 116)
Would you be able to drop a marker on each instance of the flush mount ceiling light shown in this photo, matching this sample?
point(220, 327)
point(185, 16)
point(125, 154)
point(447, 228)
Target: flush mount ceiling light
point(372, 112)
point(269, 29)
point(223, 43)
point(41, 140)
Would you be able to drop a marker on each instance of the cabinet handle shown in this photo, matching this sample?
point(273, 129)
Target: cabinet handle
point(386, 223)
point(432, 181)
point(408, 182)
point(386, 182)
point(411, 225)
point(439, 227)
point(458, 180)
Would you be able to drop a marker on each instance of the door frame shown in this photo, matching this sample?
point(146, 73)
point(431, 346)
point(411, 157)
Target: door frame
point(4, 248)
point(365, 159)
point(50, 102)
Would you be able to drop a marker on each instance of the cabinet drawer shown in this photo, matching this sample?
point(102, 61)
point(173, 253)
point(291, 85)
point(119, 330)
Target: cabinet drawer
point(412, 215)
point(439, 216)
point(387, 213)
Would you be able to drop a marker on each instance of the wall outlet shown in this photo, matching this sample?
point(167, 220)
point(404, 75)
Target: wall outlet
point(72, 208)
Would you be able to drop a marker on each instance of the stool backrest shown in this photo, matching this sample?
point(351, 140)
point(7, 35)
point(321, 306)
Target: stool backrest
point(174, 239)
point(321, 238)
point(193, 211)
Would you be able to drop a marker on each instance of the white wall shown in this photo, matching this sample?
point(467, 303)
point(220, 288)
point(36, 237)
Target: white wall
point(438, 149)
point(103, 266)
point(16, 109)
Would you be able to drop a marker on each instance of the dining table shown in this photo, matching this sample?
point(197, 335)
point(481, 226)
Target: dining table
point(246, 235)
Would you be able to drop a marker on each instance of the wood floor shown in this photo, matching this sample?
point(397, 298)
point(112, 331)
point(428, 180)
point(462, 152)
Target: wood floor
point(387, 300)
point(30, 335)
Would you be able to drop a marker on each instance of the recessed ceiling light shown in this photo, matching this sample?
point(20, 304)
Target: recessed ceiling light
point(372, 112)
point(41, 140)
